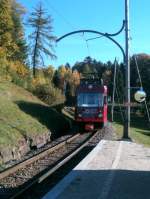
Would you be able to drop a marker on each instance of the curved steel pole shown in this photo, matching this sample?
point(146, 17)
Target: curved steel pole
point(117, 33)
point(96, 32)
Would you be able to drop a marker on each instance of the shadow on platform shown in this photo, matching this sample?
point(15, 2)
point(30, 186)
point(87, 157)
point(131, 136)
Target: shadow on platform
point(100, 184)
point(93, 184)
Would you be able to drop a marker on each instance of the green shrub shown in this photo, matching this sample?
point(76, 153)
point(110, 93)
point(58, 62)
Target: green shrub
point(49, 94)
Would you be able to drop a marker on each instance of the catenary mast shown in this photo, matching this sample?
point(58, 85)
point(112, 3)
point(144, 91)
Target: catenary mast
point(127, 72)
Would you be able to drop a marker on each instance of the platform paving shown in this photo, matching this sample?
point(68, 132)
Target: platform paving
point(112, 170)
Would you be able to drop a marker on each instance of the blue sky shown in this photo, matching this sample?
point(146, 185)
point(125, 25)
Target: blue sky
point(100, 15)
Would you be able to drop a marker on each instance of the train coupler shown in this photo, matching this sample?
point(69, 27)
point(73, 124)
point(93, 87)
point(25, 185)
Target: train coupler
point(89, 127)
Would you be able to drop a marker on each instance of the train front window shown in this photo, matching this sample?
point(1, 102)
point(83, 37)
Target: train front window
point(90, 99)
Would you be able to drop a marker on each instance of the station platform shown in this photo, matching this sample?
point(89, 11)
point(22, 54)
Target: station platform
point(112, 170)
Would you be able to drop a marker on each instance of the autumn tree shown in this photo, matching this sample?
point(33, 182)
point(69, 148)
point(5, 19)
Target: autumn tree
point(49, 72)
point(18, 12)
point(12, 44)
point(62, 77)
point(41, 38)
point(6, 27)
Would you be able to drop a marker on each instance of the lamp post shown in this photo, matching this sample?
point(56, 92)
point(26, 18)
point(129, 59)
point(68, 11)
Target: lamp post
point(127, 73)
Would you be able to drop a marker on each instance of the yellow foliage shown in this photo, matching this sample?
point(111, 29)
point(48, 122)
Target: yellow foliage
point(68, 75)
point(2, 53)
point(19, 68)
point(3, 60)
point(49, 73)
point(50, 70)
point(76, 77)
point(38, 81)
point(3, 66)
point(62, 71)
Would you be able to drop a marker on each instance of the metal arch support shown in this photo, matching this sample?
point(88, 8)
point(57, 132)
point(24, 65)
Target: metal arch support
point(117, 33)
point(100, 33)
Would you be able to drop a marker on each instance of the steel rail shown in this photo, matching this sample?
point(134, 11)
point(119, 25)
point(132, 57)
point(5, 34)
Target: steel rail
point(72, 154)
point(55, 167)
point(34, 158)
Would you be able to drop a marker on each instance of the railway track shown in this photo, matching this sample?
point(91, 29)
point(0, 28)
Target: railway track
point(69, 111)
point(22, 176)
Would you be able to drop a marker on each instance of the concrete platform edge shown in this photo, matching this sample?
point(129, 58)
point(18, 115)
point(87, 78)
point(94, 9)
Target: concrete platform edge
point(58, 189)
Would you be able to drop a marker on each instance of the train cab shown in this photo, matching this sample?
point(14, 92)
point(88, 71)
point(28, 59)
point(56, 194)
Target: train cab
point(91, 104)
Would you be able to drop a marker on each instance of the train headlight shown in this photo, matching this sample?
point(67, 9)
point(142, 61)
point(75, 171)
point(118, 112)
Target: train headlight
point(100, 115)
point(90, 86)
point(79, 115)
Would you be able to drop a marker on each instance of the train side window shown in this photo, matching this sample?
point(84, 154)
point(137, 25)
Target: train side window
point(105, 99)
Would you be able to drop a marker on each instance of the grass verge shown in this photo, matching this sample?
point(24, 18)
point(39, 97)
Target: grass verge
point(139, 129)
point(23, 117)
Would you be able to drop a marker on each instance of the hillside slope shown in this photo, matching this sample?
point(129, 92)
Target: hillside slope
point(25, 122)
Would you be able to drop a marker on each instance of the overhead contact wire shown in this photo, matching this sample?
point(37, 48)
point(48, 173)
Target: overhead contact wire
point(68, 23)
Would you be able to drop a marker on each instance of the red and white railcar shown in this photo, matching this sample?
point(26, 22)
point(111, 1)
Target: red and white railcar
point(91, 104)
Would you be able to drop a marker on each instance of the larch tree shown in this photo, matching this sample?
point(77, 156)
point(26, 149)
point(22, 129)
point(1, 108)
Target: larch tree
point(41, 38)
point(6, 26)
point(18, 32)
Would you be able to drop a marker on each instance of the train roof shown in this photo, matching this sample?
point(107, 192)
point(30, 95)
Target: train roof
point(91, 85)
point(96, 81)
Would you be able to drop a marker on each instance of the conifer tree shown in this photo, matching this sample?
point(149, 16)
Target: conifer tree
point(6, 27)
point(41, 37)
point(18, 33)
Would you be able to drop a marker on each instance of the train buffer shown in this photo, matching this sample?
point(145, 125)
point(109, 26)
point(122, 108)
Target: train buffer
point(112, 170)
